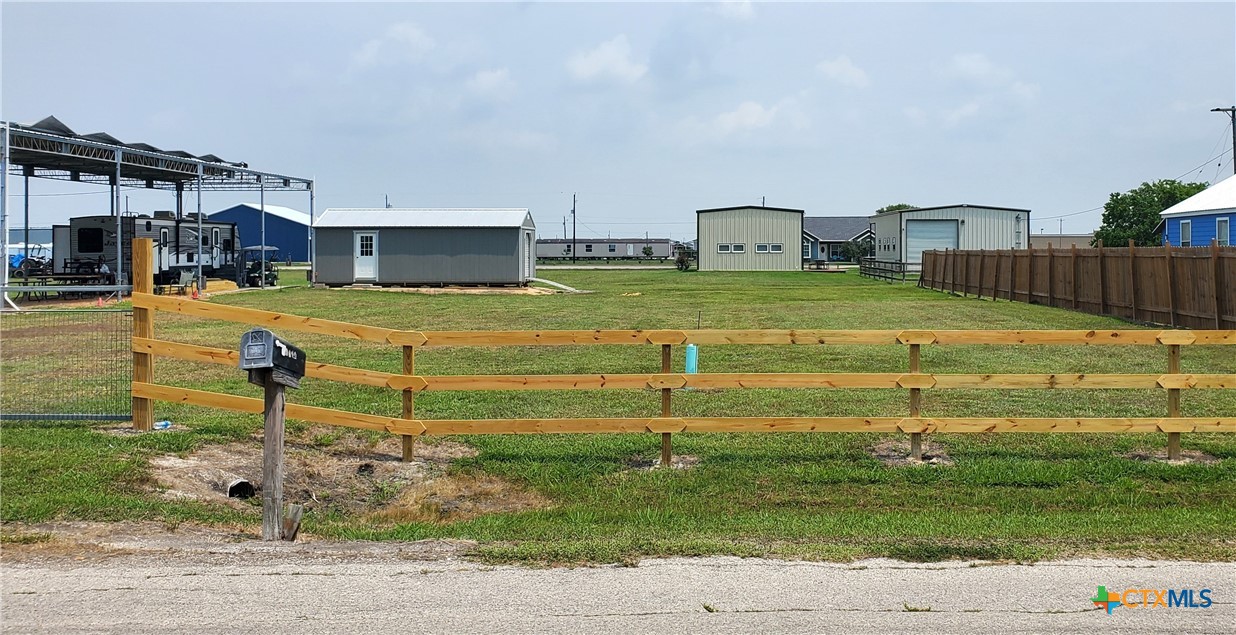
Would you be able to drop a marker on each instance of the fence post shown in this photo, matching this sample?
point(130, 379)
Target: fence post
point(1012, 273)
point(667, 447)
point(1051, 276)
point(1102, 287)
point(1029, 274)
point(409, 408)
point(1173, 402)
point(982, 285)
point(1171, 288)
point(1133, 279)
point(965, 273)
point(1073, 261)
point(943, 261)
point(916, 403)
point(1216, 273)
point(143, 326)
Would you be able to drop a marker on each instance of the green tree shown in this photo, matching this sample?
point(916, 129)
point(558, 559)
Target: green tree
point(647, 251)
point(854, 249)
point(895, 207)
point(1135, 214)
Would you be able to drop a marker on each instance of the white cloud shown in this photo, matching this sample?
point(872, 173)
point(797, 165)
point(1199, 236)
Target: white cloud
point(609, 60)
point(736, 9)
point(748, 117)
point(976, 67)
point(493, 138)
point(915, 114)
point(843, 71)
point(404, 42)
point(965, 111)
point(493, 84)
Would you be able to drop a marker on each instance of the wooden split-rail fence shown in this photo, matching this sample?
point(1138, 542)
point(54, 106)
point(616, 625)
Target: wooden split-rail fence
point(914, 380)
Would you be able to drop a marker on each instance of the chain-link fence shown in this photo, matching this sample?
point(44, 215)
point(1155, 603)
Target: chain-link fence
point(65, 364)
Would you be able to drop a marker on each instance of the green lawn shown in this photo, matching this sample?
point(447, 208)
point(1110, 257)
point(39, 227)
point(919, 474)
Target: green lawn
point(800, 495)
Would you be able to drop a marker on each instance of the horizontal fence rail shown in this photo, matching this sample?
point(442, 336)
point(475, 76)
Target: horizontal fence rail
point(409, 383)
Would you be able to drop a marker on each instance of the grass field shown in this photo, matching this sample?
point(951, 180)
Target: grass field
point(798, 495)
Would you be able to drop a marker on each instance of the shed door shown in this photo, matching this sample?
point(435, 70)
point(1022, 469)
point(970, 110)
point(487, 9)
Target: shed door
point(529, 255)
point(365, 256)
point(926, 235)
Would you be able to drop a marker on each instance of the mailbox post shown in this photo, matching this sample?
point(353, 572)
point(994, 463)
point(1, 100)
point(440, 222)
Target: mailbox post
point(275, 365)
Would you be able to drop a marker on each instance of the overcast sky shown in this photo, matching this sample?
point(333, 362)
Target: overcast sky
point(648, 111)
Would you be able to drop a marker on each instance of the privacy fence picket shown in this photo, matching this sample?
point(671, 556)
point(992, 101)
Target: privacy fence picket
point(1189, 287)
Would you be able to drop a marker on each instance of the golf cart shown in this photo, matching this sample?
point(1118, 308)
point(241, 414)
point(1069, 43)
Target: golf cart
point(250, 273)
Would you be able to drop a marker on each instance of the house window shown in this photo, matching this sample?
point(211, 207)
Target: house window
point(90, 240)
point(738, 248)
point(366, 245)
point(776, 248)
point(723, 248)
point(613, 248)
point(761, 248)
point(567, 250)
point(806, 250)
point(587, 249)
point(1186, 233)
point(1223, 231)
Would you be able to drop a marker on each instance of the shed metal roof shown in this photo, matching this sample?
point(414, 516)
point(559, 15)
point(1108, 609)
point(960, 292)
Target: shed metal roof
point(836, 228)
point(1220, 196)
point(421, 217)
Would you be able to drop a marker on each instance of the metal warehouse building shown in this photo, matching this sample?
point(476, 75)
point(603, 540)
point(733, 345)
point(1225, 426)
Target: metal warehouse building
point(424, 246)
point(286, 228)
point(903, 236)
point(751, 238)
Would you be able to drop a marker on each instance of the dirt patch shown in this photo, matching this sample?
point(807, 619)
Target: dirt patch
point(1187, 457)
point(677, 462)
point(351, 474)
point(896, 453)
point(457, 290)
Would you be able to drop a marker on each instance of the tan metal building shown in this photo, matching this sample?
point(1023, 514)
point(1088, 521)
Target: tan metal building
point(750, 238)
point(903, 236)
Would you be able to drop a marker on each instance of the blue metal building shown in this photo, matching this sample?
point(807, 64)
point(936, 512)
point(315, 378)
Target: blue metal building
point(1203, 217)
point(286, 228)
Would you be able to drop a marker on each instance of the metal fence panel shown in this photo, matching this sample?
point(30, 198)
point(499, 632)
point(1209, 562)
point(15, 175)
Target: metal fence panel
point(65, 365)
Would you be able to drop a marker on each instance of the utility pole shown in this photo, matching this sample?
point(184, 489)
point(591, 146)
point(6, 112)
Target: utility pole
point(574, 247)
point(1231, 113)
point(564, 227)
point(387, 198)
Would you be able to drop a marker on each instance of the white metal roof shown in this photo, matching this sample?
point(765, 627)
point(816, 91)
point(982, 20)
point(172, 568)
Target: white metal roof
point(408, 217)
point(1220, 196)
point(287, 213)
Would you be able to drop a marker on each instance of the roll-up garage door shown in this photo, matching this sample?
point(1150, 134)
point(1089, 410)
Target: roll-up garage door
point(925, 235)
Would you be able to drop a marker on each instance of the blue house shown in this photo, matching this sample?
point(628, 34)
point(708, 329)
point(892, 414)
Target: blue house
point(286, 228)
point(823, 236)
point(1203, 217)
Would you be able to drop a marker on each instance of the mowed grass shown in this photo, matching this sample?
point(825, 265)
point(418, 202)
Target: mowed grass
point(1014, 496)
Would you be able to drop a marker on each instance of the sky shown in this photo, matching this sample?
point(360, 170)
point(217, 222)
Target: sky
point(646, 112)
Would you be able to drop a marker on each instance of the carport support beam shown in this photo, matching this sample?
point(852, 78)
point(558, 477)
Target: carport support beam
point(4, 211)
point(262, 206)
point(667, 443)
point(916, 406)
point(409, 368)
point(1173, 402)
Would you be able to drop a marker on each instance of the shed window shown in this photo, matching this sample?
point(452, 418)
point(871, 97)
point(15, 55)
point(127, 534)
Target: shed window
point(776, 248)
point(613, 248)
point(366, 245)
point(1223, 231)
point(90, 240)
point(588, 249)
point(1186, 233)
point(761, 248)
point(738, 248)
point(723, 248)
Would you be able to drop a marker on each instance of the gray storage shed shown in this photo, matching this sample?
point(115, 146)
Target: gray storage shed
point(424, 246)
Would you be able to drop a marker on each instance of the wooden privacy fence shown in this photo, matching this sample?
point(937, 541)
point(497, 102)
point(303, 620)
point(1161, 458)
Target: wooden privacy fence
point(1192, 287)
point(146, 347)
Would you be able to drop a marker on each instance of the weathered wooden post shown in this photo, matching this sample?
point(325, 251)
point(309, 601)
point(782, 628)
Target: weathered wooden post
point(667, 444)
point(273, 364)
point(1173, 401)
point(916, 406)
point(409, 407)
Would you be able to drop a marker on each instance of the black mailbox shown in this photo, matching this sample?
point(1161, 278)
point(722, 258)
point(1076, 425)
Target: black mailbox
point(262, 350)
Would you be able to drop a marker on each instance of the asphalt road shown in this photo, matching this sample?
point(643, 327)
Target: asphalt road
point(277, 592)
